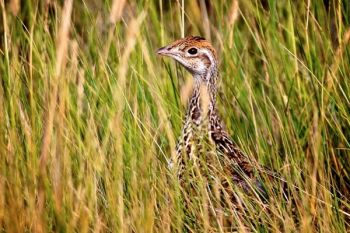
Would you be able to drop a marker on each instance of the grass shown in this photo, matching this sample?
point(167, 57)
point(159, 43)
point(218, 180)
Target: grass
point(90, 115)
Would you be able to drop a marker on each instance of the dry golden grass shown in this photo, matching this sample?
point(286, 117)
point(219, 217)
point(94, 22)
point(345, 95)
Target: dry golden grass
point(90, 115)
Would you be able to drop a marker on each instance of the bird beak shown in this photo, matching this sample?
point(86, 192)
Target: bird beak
point(165, 51)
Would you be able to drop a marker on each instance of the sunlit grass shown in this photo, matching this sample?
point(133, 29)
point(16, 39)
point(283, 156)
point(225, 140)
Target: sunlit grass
point(89, 115)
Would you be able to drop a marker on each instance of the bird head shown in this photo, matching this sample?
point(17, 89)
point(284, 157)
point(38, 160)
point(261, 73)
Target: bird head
point(195, 53)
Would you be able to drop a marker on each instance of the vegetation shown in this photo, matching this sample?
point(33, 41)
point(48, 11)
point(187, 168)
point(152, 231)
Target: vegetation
point(89, 114)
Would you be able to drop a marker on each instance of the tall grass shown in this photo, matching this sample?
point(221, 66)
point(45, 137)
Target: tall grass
point(90, 116)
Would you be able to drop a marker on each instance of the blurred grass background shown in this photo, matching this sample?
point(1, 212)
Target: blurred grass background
point(89, 114)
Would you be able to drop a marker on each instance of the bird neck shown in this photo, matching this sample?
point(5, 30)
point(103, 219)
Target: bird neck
point(203, 99)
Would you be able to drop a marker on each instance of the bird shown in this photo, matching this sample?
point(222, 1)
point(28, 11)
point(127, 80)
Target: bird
point(198, 56)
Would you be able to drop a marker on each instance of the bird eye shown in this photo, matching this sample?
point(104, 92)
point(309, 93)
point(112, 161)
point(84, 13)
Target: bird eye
point(192, 51)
